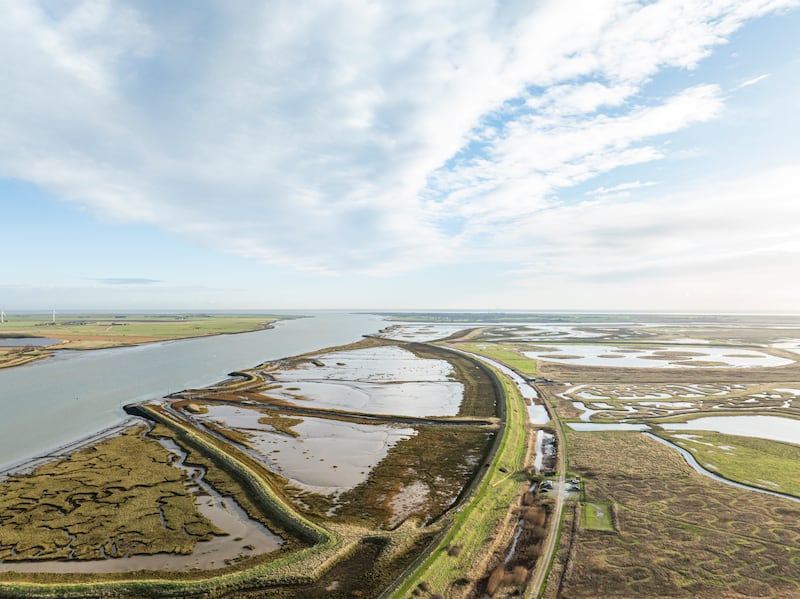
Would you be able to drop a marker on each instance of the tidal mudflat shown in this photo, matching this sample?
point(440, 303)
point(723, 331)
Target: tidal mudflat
point(295, 461)
point(377, 380)
point(321, 455)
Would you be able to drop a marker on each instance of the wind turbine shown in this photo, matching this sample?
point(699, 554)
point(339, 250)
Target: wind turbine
point(2, 317)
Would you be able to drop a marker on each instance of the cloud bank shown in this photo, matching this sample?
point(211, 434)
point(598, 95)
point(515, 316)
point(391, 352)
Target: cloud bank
point(369, 137)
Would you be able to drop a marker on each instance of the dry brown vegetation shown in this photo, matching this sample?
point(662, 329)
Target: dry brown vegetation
point(680, 534)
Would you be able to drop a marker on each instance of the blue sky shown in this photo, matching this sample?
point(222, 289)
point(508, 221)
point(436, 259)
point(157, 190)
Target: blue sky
point(456, 155)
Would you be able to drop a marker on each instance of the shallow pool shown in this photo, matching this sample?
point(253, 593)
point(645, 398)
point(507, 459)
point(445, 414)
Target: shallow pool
point(774, 428)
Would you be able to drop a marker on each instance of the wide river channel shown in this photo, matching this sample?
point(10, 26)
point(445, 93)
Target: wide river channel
point(75, 394)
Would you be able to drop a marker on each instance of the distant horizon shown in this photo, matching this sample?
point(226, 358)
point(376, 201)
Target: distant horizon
point(383, 311)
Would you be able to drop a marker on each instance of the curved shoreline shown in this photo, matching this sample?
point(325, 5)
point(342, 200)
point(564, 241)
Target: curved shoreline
point(692, 461)
point(50, 351)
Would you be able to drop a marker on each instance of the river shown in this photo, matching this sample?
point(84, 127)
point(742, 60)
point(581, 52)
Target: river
point(47, 404)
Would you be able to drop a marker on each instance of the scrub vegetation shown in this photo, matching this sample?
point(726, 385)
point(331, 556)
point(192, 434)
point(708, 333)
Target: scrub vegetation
point(679, 534)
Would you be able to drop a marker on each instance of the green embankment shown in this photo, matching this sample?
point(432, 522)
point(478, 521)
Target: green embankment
point(507, 356)
point(471, 528)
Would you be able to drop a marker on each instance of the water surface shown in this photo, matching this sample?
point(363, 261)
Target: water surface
point(49, 403)
point(774, 428)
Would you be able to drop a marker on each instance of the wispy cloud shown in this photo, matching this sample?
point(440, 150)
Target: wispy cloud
point(126, 281)
point(753, 81)
point(364, 137)
point(622, 187)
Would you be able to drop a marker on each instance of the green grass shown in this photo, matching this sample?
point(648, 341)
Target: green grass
point(472, 527)
point(86, 332)
point(596, 515)
point(770, 465)
point(503, 354)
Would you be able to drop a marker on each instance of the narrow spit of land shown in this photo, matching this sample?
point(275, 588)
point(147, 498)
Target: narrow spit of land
point(91, 331)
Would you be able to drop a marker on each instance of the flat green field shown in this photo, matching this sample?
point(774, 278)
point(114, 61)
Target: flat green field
point(760, 463)
point(596, 515)
point(104, 331)
point(498, 352)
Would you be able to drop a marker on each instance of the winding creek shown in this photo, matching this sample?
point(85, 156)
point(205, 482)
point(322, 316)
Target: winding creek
point(690, 459)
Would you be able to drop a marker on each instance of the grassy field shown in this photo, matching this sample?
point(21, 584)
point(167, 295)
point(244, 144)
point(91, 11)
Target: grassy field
point(506, 355)
point(760, 463)
point(596, 515)
point(93, 331)
point(679, 534)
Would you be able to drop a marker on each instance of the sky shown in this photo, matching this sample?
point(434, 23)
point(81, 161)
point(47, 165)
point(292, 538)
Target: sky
point(465, 154)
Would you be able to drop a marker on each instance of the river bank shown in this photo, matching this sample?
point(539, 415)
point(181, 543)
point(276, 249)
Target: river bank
point(30, 339)
point(55, 402)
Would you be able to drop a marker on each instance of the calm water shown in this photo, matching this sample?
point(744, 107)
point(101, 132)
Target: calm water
point(52, 402)
point(26, 341)
point(775, 428)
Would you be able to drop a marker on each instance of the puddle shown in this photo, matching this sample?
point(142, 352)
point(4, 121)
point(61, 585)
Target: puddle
point(586, 413)
point(545, 448)
point(538, 414)
point(408, 500)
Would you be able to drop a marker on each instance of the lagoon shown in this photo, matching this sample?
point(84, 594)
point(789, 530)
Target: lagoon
point(774, 428)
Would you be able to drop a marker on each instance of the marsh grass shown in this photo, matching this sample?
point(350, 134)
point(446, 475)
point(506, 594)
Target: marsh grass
point(680, 533)
point(770, 465)
point(441, 459)
point(504, 353)
point(119, 497)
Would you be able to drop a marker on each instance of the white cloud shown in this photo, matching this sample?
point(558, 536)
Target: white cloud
point(325, 136)
point(622, 187)
point(718, 226)
point(752, 81)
